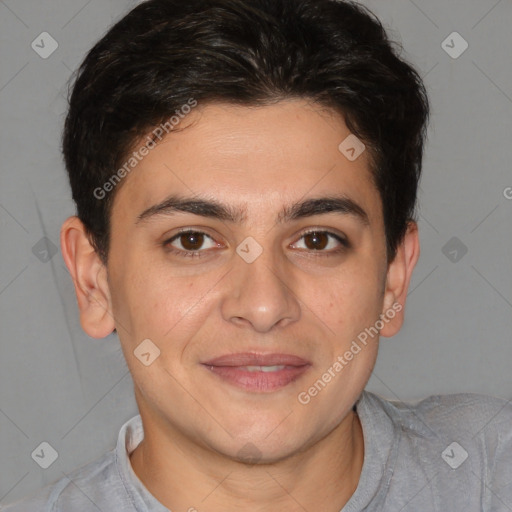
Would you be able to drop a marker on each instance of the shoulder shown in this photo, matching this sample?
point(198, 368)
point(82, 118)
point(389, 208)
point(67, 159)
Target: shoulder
point(449, 449)
point(38, 501)
point(83, 489)
point(472, 416)
point(456, 427)
point(461, 413)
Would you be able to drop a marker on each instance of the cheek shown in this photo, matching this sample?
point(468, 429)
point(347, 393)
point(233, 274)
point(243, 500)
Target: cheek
point(141, 298)
point(347, 302)
point(167, 308)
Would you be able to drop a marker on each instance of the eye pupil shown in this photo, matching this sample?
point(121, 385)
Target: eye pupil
point(316, 241)
point(192, 241)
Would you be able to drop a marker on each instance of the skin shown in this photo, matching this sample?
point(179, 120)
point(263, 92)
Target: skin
point(294, 299)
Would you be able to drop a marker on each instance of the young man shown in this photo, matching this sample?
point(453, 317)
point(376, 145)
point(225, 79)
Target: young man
point(245, 175)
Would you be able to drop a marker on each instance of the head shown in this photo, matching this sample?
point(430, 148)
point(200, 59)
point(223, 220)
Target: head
point(226, 120)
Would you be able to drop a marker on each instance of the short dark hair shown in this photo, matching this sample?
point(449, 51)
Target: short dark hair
point(245, 52)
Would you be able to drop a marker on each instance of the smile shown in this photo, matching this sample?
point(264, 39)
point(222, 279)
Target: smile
point(258, 379)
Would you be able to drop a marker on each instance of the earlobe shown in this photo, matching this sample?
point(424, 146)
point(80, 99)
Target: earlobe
point(89, 277)
point(397, 281)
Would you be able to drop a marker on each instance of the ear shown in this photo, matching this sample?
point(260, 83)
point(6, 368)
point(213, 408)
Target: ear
point(89, 276)
point(398, 278)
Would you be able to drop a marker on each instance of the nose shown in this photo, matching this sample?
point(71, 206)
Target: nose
point(259, 295)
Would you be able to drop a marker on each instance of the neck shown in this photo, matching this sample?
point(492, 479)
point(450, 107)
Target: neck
point(184, 476)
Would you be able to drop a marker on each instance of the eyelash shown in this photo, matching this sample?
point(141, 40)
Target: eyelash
point(197, 254)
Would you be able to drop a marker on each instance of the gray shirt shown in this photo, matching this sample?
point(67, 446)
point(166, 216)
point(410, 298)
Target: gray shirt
point(445, 453)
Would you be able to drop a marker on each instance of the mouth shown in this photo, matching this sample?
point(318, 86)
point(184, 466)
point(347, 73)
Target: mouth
point(260, 373)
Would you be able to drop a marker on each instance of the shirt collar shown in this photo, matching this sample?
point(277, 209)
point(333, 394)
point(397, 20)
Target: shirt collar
point(380, 452)
point(130, 436)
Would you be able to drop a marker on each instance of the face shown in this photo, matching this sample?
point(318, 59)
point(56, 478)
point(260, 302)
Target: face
point(254, 292)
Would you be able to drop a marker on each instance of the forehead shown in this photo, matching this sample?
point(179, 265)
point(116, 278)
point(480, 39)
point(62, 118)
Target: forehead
point(251, 157)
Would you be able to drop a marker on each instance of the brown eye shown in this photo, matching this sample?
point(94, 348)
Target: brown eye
point(322, 242)
point(316, 241)
point(191, 241)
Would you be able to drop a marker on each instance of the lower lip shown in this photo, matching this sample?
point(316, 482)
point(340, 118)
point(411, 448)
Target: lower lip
point(258, 381)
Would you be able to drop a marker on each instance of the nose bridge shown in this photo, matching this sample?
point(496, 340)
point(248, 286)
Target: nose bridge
point(258, 293)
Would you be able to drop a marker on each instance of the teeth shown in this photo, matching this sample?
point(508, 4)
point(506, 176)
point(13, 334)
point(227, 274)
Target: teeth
point(264, 368)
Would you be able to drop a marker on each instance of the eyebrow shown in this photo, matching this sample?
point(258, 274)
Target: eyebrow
point(213, 209)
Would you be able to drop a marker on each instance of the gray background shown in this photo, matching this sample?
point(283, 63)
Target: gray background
point(74, 392)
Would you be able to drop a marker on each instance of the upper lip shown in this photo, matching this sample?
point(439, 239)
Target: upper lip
point(255, 359)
